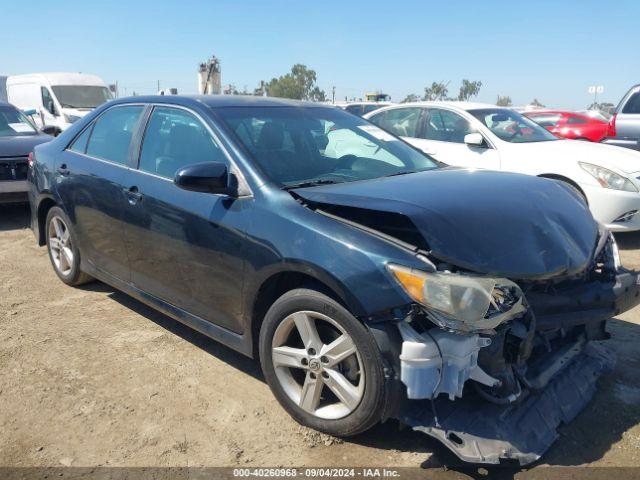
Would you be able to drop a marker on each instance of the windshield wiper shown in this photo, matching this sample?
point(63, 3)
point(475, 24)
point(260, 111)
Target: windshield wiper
point(403, 172)
point(311, 183)
point(66, 105)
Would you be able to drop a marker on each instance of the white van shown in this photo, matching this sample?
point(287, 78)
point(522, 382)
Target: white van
point(56, 99)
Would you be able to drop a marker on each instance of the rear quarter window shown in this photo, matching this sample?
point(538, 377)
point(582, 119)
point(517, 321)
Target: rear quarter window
point(79, 145)
point(112, 132)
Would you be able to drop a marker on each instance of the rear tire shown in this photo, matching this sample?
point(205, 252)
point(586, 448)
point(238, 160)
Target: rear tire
point(322, 364)
point(63, 248)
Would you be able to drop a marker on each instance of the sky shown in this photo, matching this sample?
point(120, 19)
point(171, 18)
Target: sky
point(549, 50)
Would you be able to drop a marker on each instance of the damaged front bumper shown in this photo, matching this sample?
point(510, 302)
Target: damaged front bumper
point(481, 432)
point(552, 372)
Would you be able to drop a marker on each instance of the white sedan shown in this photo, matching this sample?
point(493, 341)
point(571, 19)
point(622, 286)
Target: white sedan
point(485, 136)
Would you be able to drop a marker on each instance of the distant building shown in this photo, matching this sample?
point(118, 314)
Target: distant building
point(209, 77)
point(377, 97)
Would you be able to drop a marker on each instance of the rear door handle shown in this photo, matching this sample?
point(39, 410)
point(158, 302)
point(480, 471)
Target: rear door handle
point(63, 170)
point(133, 195)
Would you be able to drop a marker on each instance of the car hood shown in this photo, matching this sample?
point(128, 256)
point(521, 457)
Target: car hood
point(624, 159)
point(496, 223)
point(21, 145)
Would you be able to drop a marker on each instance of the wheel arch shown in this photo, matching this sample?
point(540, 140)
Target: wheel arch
point(45, 204)
point(277, 282)
point(562, 178)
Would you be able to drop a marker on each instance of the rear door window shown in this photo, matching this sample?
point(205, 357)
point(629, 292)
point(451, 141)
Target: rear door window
point(355, 109)
point(174, 139)
point(576, 121)
point(403, 122)
point(112, 132)
point(547, 120)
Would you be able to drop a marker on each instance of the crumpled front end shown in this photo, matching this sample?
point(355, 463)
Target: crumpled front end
point(498, 388)
point(511, 283)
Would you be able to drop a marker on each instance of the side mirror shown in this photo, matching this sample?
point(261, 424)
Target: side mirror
point(474, 139)
point(51, 107)
point(30, 112)
point(208, 177)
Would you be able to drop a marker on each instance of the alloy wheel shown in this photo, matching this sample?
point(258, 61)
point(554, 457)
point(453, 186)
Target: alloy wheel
point(318, 365)
point(60, 245)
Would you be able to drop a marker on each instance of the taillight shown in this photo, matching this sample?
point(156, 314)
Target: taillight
point(30, 160)
point(611, 130)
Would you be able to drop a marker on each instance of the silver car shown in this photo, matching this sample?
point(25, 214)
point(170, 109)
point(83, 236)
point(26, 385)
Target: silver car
point(624, 126)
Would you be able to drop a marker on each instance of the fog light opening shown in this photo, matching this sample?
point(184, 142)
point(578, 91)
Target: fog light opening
point(626, 217)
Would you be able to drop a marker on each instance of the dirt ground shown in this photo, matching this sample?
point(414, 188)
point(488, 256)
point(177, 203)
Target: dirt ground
point(91, 377)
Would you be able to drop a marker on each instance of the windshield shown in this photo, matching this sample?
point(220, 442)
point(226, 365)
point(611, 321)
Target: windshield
point(313, 145)
point(81, 96)
point(13, 123)
point(512, 127)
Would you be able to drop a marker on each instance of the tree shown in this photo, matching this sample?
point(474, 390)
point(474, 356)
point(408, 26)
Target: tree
point(261, 89)
point(412, 97)
point(469, 89)
point(602, 106)
point(299, 84)
point(230, 90)
point(503, 101)
point(537, 103)
point(437, 91)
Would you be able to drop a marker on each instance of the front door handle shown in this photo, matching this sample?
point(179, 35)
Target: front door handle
point(133, 195)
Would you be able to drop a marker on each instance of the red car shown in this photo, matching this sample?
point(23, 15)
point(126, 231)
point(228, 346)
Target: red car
point(570, 125)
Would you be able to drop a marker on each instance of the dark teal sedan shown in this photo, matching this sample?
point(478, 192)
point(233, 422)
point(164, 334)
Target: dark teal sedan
point(372, 281)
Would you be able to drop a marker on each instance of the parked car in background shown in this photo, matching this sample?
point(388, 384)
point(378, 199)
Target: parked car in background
point(597, 114)
point(18, 137)
point(574, 126)
point(489, 137)
point(57, 99)
point(361, 108)
point(624, 126)
point(371, 281)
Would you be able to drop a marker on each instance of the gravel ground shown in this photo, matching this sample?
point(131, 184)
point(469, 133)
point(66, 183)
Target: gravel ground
point(91, 377)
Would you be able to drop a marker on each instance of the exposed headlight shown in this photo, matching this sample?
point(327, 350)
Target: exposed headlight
point(462, 302)
point(607, 178)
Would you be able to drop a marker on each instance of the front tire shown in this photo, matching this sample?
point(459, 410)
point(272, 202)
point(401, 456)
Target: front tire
point(63, 248)
point(322, 364)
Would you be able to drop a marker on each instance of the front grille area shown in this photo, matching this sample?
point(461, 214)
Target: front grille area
point(13, 168)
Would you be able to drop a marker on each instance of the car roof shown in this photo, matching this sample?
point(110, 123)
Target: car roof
point(450, 104)
point(217, 101)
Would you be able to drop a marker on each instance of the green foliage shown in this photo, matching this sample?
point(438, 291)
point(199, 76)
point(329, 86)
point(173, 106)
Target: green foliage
point(469, 89)
point(299, 84)
point(412, 97)
point(537, 103)
point(437, 91)
point(602, 106)
point(503, 101)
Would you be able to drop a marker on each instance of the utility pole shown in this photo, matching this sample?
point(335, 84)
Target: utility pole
point(158, 89)
point(333, 95)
